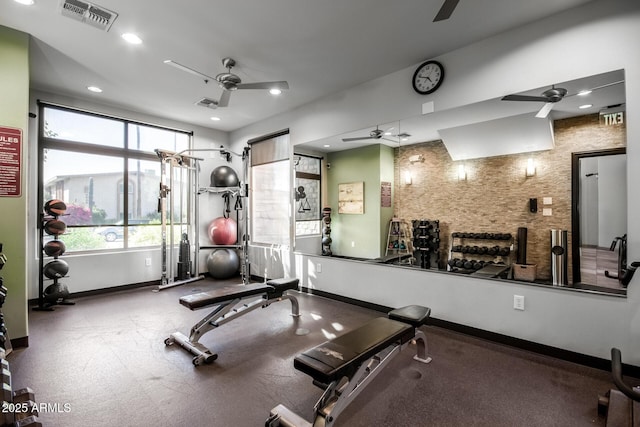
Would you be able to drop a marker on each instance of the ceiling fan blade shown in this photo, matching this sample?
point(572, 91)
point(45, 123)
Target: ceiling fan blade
point(224, 98)
point(264, 85)
point(544, 111)
point(188, 70)
point(446, 10)
point(525, 98)
point(357, 139)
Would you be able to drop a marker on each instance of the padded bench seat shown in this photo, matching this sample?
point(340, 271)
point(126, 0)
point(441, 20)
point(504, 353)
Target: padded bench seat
point(272, 288)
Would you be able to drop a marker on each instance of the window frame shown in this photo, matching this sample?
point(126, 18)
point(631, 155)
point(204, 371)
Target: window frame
point(124, 153)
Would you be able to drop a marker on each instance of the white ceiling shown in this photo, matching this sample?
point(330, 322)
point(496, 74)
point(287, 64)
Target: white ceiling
point(319, 47)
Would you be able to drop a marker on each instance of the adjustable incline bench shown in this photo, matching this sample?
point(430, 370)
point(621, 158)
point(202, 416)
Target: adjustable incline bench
point(228, 305)
point(345, 365)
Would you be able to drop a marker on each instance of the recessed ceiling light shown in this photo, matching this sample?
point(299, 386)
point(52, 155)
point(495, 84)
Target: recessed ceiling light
point(582, 107)
point(132, 38)
point(275, 91)
point(584, 92)
point(26, 2)
point(95, 89)
point(215, 119)
point(327, 145)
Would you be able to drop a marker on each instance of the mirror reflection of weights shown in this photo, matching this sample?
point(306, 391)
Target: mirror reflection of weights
point(55, 269)
point(475, 253)
point(326, 232)
point(426, 243)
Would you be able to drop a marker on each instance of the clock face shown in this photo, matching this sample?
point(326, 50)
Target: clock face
point(428, 77)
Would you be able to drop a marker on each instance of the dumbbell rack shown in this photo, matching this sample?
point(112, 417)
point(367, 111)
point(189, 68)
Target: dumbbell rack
point(18, 407)
point(471, 252)
point(399, 239)
point(426, 243)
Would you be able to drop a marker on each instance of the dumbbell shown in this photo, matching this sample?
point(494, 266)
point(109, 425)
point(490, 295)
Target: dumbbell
point(473, 250)
point(459, 263)
point(504, 251)
point(468, 265)
point(477, 265)
point(482, 250)
point(493, 250)
point(452, 262)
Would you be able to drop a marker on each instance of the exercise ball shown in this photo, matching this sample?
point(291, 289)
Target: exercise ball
point(55, 207)
point(55, 292)
point(54, 227)
point(223, 263)
point(55, 269)
point(223, 231)
point(54, 248)
point(224, 176)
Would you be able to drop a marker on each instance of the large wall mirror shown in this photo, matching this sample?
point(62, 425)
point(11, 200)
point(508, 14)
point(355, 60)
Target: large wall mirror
point(475, 169)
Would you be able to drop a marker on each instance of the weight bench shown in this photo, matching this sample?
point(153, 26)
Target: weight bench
point(228, 305)
point(345, 365)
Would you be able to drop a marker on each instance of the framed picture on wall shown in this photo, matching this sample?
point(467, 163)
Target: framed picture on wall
point(351, 198)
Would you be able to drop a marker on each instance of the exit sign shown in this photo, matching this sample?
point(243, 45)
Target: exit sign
point(611, 117)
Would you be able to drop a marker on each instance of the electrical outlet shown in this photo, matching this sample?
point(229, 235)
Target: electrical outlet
point(518, 302)
point(147, 262)
point(318, 268)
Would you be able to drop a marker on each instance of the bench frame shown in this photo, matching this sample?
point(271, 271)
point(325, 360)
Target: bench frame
point(341, 392)
point(224, 312)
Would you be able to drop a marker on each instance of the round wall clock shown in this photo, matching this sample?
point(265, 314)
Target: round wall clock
point(428, 77)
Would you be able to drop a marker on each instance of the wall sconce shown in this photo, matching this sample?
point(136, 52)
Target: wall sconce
point(416, 158)
point(462, 174)
point(407, 177)
point(531, 168)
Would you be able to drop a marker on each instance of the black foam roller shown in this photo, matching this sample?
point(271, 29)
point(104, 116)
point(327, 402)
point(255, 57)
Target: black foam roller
point(521, 258)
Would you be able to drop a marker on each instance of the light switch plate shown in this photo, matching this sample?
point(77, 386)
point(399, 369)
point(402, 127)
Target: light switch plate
point(547, 201)
point(547, 212)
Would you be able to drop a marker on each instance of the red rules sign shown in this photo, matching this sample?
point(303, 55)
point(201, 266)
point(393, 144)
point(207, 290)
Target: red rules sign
point(10, 151)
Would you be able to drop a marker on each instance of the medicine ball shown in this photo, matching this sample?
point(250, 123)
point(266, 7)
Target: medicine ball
point(224, 176)
point(223, 263)
point(54, 248)
point(326, 240)
point(55, 269)
point(223, 231)
point(54, 227)
point(55, 292)
point(55, 207)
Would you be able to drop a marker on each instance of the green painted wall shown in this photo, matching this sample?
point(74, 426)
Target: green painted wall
point(14, 110)
point(361, 236)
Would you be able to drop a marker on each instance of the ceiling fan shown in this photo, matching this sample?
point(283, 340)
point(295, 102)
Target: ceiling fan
point(374, 134)
point(551, 96)
point(446, 10)
point(229, 81)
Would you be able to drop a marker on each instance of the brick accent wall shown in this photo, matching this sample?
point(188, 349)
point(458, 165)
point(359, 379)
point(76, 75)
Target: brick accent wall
point(495, 196)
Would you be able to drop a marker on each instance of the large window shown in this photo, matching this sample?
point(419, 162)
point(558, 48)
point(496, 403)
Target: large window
point(107, 173)
point(270, 190)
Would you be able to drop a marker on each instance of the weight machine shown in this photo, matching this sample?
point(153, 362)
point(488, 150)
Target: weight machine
point(186, 193)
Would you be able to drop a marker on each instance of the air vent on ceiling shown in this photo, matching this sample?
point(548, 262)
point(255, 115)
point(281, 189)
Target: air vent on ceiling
point(89, 13)
point(207, 102)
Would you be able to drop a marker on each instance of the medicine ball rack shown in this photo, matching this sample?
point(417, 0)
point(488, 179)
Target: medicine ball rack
point(479, 250)
point(56, 293)
point(426, 243)
point(399, 240)
point(190, 165)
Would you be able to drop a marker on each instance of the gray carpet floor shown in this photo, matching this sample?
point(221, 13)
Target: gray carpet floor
point(105, 363)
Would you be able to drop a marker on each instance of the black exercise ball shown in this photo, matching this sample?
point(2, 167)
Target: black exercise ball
point(224, 176)
point(223, 263)
point(55, 269)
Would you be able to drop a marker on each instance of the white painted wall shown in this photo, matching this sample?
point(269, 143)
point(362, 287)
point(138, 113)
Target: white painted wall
point(598, 37)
